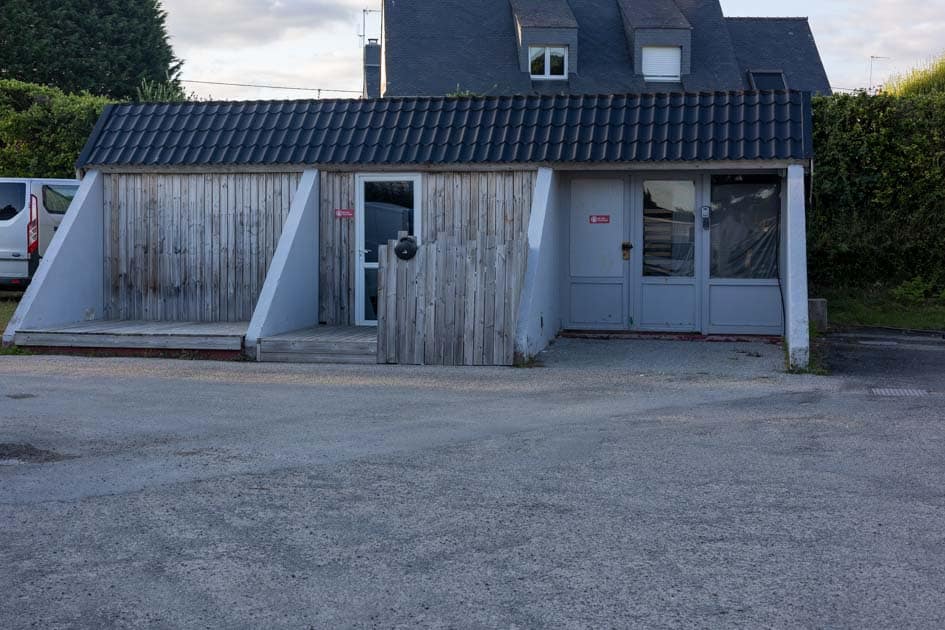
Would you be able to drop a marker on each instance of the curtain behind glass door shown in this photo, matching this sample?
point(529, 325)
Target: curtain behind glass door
point(746, 211)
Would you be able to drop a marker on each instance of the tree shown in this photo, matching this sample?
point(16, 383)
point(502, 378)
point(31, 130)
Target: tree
point(105, 47)
point(43, 130)
point(927, 80)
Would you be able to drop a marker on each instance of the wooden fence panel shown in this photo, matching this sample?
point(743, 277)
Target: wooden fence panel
point(455, 303)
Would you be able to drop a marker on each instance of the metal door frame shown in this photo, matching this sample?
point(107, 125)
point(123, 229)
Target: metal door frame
point(700, 242)
point(360, 263)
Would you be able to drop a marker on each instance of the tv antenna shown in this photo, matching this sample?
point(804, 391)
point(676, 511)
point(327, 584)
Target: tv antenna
point(873, 60)
point(364, 16)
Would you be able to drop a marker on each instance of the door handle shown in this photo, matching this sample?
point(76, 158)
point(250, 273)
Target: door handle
point(627, 246)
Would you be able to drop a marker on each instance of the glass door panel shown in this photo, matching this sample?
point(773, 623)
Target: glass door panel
point(669, 228)
point(389, 205)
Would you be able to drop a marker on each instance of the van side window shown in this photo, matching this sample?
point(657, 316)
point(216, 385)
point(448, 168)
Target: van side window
point(12, 200)
point(56, 198)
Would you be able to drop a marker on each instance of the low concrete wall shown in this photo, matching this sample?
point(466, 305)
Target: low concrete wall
point(540, 311)
point(69, 285)
point(797, 326)
point(289, 297)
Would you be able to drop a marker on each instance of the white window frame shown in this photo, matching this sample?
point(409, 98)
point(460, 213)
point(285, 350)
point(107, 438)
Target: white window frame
point(665, 78)
point(547, 76)
point(361, 264)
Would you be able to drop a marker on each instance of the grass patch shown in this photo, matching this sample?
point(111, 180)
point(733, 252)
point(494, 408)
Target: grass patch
point(8, 302)
point(878, 306)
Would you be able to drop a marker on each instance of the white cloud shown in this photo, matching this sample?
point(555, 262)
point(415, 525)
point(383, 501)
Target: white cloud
point(314, 43)
point(296, 43)
point(908, 32)
point(198, 23)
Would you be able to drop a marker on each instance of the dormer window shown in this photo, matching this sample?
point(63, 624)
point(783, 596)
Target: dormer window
point(662, 64)
point(548, 62)
point(767, 80)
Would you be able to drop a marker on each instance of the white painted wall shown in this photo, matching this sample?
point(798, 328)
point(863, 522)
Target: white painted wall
point(794, 270)
point(539, 317)
point(289, 297)
point(69, 285)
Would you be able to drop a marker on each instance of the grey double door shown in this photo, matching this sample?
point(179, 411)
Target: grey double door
point(636, 249)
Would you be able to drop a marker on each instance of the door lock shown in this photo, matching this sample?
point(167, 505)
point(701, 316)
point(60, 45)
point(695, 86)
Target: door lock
point(627, 247)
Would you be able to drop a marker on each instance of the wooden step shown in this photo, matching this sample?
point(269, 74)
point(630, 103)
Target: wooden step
point(342, 345)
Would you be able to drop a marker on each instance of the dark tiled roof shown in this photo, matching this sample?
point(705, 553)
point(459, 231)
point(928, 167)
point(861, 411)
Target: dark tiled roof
point(433, 48)
point(444, 131)
point(785, 44)
point(544, 13)
point(654, 14)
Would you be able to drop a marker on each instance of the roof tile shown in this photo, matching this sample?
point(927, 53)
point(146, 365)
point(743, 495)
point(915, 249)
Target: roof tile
point(443, 131)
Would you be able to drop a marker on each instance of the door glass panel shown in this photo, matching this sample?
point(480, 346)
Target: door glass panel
point(370, 295)
point(12, 200)
point(669, 228)
point(388, 209)
point(746, 212)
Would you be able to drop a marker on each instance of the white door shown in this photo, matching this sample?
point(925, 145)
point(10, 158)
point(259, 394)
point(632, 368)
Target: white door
point(54, 197)
point(14, 217)
point(669, 294)
point(600, 255)
point(386, 205)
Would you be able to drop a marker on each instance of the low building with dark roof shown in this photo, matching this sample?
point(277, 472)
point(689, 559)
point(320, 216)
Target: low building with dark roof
point(429, 229)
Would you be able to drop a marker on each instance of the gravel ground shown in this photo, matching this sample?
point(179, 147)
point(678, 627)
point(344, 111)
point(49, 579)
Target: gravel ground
point(664, 484)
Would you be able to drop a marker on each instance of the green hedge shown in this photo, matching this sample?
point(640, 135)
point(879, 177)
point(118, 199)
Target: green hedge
point(43, 130)
point(878, 212)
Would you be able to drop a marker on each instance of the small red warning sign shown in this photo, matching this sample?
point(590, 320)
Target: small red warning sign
point(599, 219)
point(344, 213)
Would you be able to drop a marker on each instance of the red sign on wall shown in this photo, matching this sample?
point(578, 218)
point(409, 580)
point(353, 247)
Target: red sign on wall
point(600, 219)
point(344, 213)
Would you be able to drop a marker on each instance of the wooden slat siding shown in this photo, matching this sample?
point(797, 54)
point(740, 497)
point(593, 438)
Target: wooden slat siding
point(498, 318)
point(455, 303)
point(461, 205)
point(382, 305)
point(191, 247)
point(391, 323)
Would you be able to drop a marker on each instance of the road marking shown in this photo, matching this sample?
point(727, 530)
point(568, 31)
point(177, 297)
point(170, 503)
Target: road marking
point(894, 392)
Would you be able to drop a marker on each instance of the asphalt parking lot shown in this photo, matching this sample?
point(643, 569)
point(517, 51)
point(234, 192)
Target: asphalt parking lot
point(624, 484)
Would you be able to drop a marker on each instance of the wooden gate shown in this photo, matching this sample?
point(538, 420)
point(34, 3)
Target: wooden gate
point(455, 303)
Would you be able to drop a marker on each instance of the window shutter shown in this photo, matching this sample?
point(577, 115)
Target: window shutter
point(662, 63)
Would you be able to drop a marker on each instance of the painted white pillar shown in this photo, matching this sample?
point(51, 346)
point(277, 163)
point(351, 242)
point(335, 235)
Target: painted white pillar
point(289, 297)
point(69, 285)
point(538, 314)
point(797, 328)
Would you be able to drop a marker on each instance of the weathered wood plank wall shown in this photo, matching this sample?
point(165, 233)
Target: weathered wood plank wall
point(191, 247)
point(455, 303)
point(459, 205)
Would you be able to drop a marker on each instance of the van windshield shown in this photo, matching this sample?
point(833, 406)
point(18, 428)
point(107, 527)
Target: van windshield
point(12, 200)
point(56, 199)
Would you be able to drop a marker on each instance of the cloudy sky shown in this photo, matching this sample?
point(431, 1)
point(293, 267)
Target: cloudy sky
point(315, 43)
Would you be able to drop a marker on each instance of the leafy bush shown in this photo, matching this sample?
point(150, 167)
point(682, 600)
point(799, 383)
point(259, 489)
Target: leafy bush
point(43, 130)
point(878, 211)
point(914, 291)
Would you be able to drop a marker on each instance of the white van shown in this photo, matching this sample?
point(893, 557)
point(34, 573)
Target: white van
point(30, 212)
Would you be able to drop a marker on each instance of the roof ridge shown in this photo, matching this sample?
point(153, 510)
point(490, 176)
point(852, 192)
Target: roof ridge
point(403, 99)
point(749, 18)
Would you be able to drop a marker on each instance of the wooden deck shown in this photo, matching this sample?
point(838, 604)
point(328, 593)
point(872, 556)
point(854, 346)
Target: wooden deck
point(324, 344)
point(226, 336)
